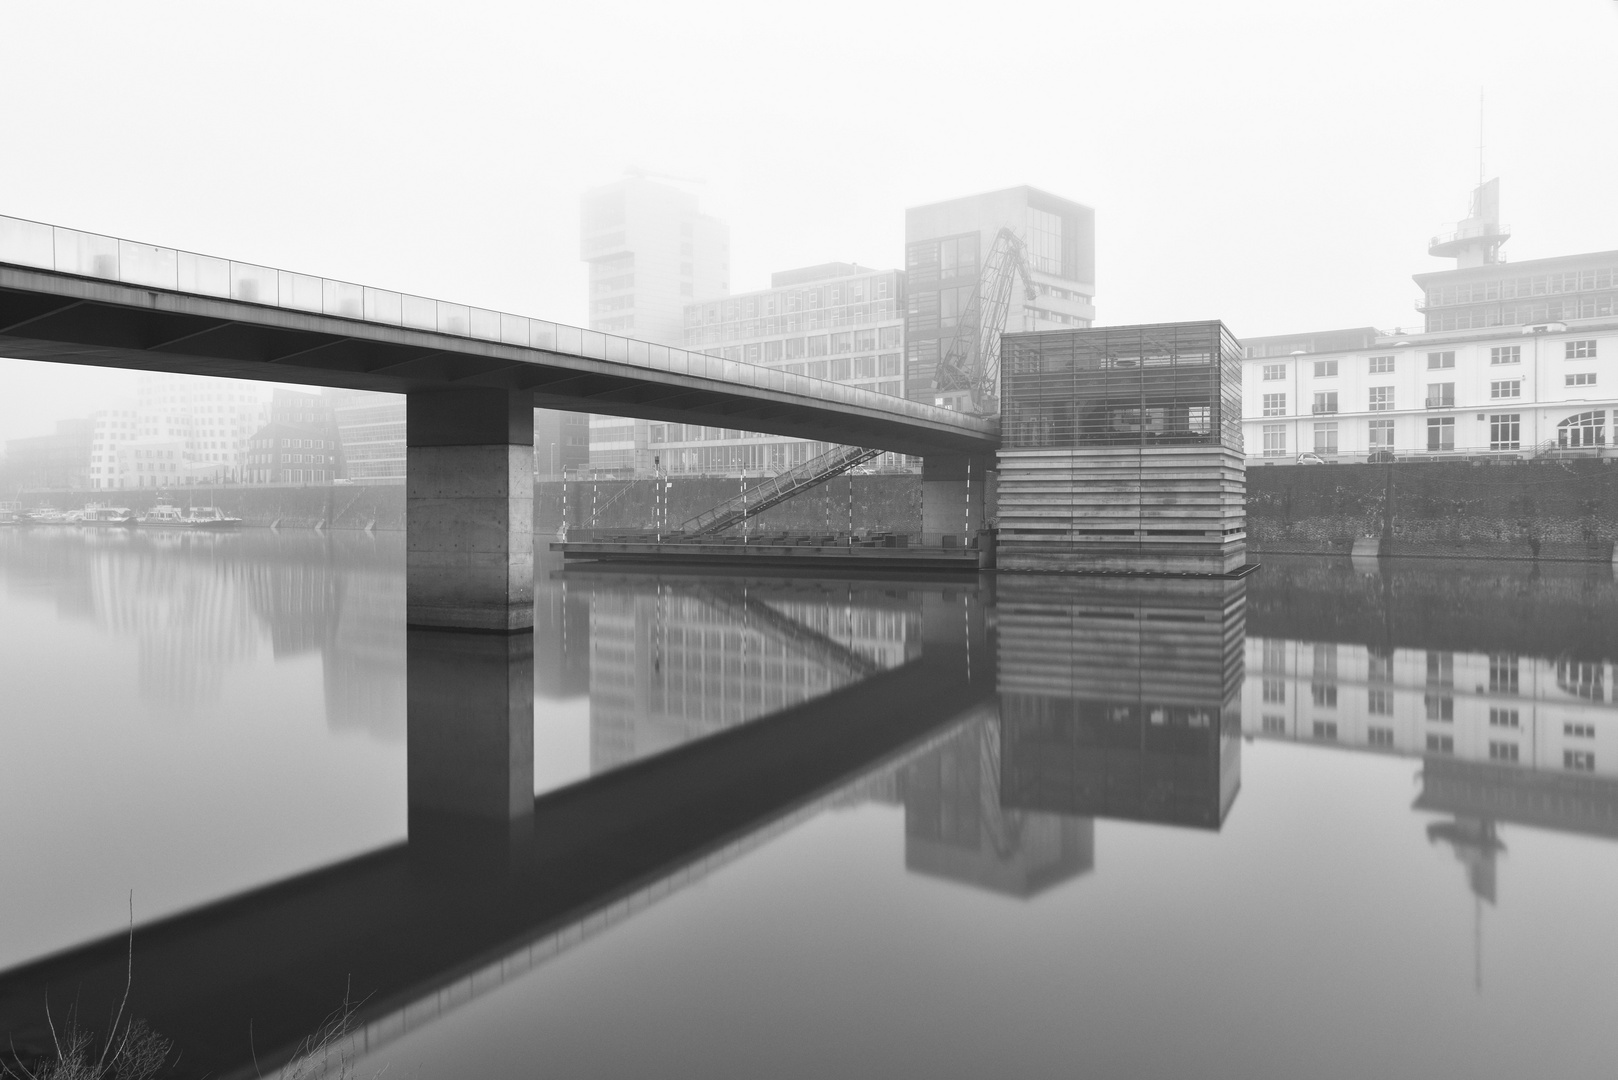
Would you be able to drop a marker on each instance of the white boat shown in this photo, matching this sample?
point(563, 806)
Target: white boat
point(164, 516)
point(211, 517)
point(94, 514)
point(49, 515)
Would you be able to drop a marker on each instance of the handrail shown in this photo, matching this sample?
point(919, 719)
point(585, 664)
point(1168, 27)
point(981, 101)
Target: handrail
point(777, 489)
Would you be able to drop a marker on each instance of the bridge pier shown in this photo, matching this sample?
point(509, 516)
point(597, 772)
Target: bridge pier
point(469, 510)
point(953, 487)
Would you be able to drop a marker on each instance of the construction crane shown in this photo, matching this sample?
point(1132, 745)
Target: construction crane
point(972, 362)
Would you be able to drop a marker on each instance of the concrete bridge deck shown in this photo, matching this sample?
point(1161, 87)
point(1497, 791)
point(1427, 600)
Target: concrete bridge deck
point(75, 297)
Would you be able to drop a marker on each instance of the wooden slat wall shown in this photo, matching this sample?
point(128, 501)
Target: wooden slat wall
point(1157, 509)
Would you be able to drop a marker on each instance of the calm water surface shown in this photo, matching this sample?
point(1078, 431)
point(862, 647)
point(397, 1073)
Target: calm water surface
point(1335, 820)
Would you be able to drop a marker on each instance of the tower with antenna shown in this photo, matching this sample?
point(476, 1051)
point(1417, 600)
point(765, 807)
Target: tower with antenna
point(1477, 237)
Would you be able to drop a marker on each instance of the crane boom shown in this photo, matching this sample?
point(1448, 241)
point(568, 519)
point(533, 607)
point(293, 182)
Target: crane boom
point(972, 361)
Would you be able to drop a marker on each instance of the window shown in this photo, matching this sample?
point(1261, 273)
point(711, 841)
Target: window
point(1578, 350)
point(1440, 669)
point(1579, 731)
point(1441, 395)
point(1378, 665)
point(1381, 365)
point(1324, 695)
point(1440, 707)
point(1582, 760)
point(1274, 725)
point(1503, 718)
point(1275, 690)
point(1325, 369)
point(1441, 433)
point(1275, 440)
point(1326, 438)
point(1379, 434)
point(1436, 360)
point(1379, 736)
point(1506, 388)
point(1586, 378)
point(1505, 431)
point(1585, 429)
point(1324, 729)
point(1440, 744)
point(1326, 402)
point(1379, 702)
point(1381, 398)
point(1272, 372)
point(1275, 404)
point(1502, 751)
point(1506, 354)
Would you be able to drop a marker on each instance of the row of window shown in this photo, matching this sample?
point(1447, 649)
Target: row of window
point(1439, 395)
point(1326, 731)
point(860, 291)
point(830, 318)
point(1539, 285)
point(1505, 433)
point(1586, 307)
point(1504, 354)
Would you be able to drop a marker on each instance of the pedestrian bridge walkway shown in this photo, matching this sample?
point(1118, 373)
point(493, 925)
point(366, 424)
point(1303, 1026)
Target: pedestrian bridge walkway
point(77, 297)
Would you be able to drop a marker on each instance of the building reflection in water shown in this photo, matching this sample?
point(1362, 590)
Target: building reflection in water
point(199, 604)
point(1499, 677)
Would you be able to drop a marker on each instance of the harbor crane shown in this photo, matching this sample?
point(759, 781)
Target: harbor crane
point(972, 361)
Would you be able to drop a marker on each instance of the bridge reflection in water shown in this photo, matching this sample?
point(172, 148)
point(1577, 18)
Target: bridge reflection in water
point(1004, 717)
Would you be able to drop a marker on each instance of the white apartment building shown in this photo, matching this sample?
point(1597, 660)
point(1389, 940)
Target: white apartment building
point(837, 321)
point(650, 253)
point(182, 429)
point(1511, 391)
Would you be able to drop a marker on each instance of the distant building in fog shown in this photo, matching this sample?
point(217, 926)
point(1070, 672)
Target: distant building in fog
point(650, 253)
point(561, 444)
point(371, 430)
point(58, 460)
point(946, 247)
point(300, 443)
point(836, 321)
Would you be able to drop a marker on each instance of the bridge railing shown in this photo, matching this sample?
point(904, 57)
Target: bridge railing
point(83, 254)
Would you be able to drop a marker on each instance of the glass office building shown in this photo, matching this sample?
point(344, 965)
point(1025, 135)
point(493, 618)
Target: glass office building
point(1122, 450)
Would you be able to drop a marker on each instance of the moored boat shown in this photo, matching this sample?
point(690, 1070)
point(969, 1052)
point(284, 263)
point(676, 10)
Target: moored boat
point(165, 516)
point(121, 516)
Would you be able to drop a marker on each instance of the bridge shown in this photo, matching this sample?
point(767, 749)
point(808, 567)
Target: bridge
point(471, 377)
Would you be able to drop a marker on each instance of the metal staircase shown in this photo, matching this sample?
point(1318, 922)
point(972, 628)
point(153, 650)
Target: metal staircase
point(774, 490)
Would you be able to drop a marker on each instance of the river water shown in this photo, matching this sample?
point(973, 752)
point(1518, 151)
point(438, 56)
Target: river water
point(1332, 820)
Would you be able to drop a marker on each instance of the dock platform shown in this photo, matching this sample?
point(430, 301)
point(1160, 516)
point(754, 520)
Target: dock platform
point(767, 554)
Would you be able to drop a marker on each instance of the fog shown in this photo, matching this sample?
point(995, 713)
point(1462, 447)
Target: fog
point(1276, 165)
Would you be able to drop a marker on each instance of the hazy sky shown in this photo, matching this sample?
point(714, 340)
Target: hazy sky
point(1276, 165)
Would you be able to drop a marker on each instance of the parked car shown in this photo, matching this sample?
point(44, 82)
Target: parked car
point(1310, 459)
point(1379, 457)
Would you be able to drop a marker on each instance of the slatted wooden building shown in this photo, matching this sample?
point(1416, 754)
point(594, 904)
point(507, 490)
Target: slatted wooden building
point(1121, 450)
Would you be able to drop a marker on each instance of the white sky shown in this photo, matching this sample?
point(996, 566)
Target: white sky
point(1276, 165)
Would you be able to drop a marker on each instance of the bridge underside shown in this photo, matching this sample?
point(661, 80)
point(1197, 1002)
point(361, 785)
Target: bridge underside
point(62, 319)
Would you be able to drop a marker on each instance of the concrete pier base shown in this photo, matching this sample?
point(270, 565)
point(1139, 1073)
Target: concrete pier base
point(469, 510)
point(953, 490)
point(470, 751)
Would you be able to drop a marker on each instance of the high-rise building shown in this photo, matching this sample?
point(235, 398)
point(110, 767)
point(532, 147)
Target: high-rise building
point(561, 444)
point(61, 459)
point(950, 251)
point(650, 253)
point(836, 321)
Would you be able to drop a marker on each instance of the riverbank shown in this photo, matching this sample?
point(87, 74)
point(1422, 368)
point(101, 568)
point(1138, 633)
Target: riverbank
point(1551, 510)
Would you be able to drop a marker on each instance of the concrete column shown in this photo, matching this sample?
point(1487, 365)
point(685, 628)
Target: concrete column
point(952, 497)
point(470, 753)
point(469, 510)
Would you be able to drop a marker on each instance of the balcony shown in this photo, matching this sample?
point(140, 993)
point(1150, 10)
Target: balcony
point(1324, 410)
point(1441, 403)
